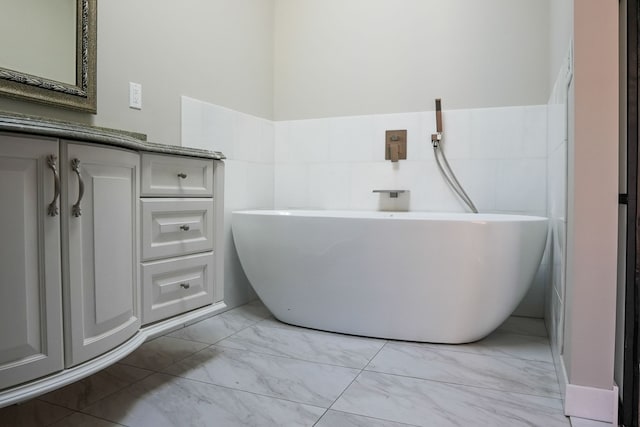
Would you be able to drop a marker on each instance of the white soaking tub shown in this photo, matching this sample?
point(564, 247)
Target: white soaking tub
point(417, 276)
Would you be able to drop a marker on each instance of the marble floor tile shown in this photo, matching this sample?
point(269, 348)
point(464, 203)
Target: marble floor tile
point(93, 388)
point(342, 419)
point(257, 309)
point(161, 352)
point(504, 344)
point(34, 413)
point(524, 326)
point(497, 373)
point(161, 400)
point(275, 323)
point(306, 344)
point(218, 327)
point(430, 403)
point(275, 376)
point(583, 422)
point(83, 420)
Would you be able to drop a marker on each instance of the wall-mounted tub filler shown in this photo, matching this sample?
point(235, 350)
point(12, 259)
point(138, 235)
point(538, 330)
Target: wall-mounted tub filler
point(445, 169)
point(392, 193)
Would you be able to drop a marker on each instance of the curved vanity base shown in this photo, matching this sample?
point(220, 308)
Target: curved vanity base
point(416, 276)
point(51, 382)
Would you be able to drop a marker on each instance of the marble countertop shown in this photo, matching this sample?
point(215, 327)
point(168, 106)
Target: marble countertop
point(75, 131)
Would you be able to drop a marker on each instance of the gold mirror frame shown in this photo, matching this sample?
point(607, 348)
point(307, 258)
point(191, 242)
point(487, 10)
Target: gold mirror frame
point(82, 95)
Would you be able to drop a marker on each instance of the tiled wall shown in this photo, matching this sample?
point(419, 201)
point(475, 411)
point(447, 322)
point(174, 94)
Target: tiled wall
point(498, 154)
point(557, 137)
point(248, 144)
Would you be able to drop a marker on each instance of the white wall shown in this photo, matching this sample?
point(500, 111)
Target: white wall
point(560, 34)
point(592, 214)
point(355, 57)
point(622, 216)
point(220, 51)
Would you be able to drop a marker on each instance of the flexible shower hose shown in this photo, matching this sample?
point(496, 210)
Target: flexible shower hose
point(450, 177)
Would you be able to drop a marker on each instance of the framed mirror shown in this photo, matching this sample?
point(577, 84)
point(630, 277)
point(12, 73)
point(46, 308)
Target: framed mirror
point(48, 52)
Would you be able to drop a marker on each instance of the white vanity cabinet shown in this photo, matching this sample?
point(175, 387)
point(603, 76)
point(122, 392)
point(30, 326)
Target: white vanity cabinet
point(100, 198)
point(177, 235)
point(30, 292)
point(106, 241)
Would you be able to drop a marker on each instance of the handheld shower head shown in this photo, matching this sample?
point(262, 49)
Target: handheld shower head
point(438, 115)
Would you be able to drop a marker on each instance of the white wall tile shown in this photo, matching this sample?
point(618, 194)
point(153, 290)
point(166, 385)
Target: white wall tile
point(235, 184)
point(219, 129)
point(456, 126)
point(479, 178)
point(309, 140)
point(267, 142)
point(535, 131)
point(248, 135)
point(556, 131)
point(281, 146)
point(260, 186)
point(329, 186)
point(192, 126)
point(290, 186)
point(351, 139)
point(497, 133)
point(520, 185)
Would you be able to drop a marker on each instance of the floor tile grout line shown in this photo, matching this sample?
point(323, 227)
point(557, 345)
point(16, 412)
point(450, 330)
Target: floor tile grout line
point(290, 357)
point(354, 378)
point(297, 359)
point(150, 372)
point(558, 397)
point(100, 418)
point(242, 391)
point(373, 418)
point(434, 348)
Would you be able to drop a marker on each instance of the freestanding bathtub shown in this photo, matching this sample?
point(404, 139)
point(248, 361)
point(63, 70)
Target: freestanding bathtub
point(432, 277)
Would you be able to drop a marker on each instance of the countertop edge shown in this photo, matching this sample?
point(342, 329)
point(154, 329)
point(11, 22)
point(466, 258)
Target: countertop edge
point(85, 133)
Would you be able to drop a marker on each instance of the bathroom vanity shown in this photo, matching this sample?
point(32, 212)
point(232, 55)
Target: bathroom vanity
point(107, 241)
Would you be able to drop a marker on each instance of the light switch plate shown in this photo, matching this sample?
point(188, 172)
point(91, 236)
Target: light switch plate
point(135, 95)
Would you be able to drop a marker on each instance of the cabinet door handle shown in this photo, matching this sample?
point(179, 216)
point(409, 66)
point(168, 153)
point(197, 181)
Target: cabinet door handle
point(182, 175)
point(185, 285)
point(184, 227)
point(52, 208)
point(75, 209)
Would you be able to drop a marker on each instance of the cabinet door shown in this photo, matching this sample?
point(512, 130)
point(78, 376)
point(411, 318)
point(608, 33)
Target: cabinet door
point(101, 291)
point(30, 295)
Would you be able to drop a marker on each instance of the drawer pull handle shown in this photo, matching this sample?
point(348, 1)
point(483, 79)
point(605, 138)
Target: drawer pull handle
point(185, 285)
point(75, 209)
point(182, 175)
point(52, 208)
point(184, 227)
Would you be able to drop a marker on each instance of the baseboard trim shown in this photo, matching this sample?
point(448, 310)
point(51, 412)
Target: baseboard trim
point(591, 403)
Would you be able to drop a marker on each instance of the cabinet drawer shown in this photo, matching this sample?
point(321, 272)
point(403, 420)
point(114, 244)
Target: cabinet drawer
point(174, 227)
point(176, 176)
point(176, 285)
